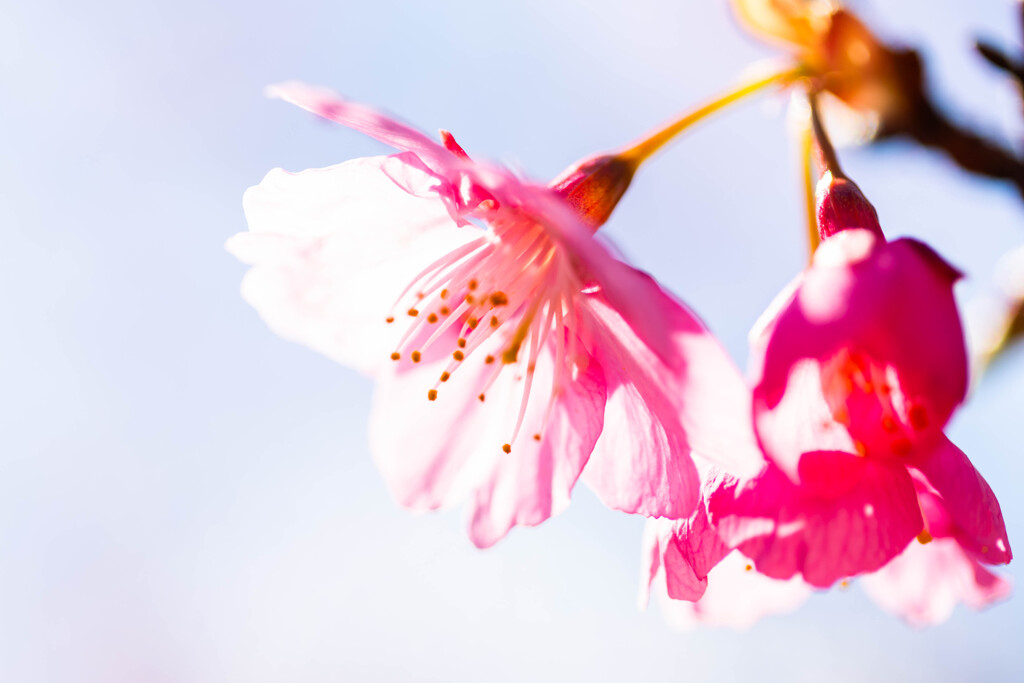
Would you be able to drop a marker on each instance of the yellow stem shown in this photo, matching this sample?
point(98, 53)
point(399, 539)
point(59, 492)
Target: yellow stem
point(807, 171)
point(648, 145)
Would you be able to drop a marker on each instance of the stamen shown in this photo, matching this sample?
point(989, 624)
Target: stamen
point(918, 416)
point(413, 312)
point(395, 355)
point(489, 360)
point(461, 342)
point(507, 448)
point(432, 395)
point(499, 299)
point(390, 319)
point(432, 318)
point(415, 355)
point(445, 375)
point(458, 355)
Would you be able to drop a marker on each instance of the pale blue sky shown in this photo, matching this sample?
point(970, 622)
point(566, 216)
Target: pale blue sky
point(186, 497)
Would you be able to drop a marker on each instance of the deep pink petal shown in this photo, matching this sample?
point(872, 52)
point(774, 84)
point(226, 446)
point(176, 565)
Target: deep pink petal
point(684, 551)
point(926, 582)
point(881, 313)
point(968, 500)
point(848, 516)
point(665, 561)
point(332, 249)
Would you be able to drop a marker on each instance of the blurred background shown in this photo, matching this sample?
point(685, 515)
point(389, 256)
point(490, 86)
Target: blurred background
point(186, 497)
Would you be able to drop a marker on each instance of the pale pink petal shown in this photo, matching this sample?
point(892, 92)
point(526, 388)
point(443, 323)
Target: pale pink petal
point(533, 482)
point(330, 105)
point(926, 582)
point(736, 597)
point(659, 415)
point(801, 422)
point(968, 500)
point(442, 452)
point(656, 533)
point(638, 465)
point(332, 249)
point(849, 515)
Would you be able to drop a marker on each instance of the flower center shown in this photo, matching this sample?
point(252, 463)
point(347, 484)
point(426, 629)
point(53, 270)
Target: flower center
point(507, 291)
point(866, 398)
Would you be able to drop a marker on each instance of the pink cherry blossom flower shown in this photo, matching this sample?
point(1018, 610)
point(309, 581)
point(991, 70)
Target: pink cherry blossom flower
point(700, 580)
point(736, 597)
point(512, 351)
point(928, 579)
point(858, 366)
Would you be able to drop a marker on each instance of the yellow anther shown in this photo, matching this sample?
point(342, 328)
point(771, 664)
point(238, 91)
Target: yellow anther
point(390, 319)
point(499, 299)
point(507, 448)
point(458, 355)
point(413, 312)
point(432, 318)
point(415, 355)
point(924, 537)
point(395, 355)
point(432, 395)
point(472, 285)
point(489, 360)
point(445, 376)
point(461, 343)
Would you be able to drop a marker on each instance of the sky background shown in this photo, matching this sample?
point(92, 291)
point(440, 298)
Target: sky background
point(186, 497)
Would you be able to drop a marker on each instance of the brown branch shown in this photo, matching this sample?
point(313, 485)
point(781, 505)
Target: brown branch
point(923, 122)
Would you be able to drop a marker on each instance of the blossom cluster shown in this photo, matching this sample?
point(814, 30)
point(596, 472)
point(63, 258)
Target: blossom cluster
point(515, 353)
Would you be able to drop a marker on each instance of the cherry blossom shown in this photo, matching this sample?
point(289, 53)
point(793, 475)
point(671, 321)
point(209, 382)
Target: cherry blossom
point(512, 351)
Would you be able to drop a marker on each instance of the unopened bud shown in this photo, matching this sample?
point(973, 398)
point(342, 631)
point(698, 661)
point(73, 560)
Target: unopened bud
point(594, 186)
point(841, 206)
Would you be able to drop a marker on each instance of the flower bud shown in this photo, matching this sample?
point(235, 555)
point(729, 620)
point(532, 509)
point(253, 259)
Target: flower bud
point(841, 205)
point(594, 186)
